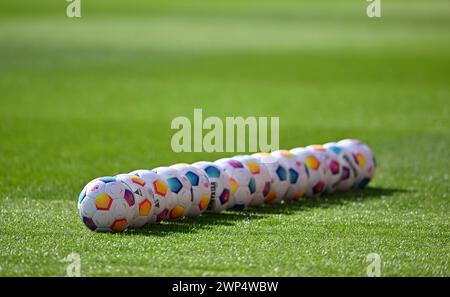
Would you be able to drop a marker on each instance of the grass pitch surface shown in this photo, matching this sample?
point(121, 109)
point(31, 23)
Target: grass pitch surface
point(95, 96)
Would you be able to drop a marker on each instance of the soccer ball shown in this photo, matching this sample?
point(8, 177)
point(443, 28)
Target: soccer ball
point(243, 184)
point(347, 171)
point(200, 188)
point(220, 183)
point(315, 170)
point(180, 188)
point(143, 196)
point(332, 167)
point(162, 198)
point(298, 179)
point(363, 160)
point(262, 178)
point(322, 155)
point(278, 170)
point(107, 205)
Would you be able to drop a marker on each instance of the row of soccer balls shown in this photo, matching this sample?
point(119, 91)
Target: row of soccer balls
point(112, 204)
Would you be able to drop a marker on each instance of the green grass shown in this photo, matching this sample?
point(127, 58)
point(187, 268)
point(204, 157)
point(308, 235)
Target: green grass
point(95, 96)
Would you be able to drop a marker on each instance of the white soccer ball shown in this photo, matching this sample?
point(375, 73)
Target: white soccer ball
point(162, 197)
point(220, 183)
point(332, 168)
point(262, 178)
point(315, 170)
point(200, 188)
point(347, 176)
point(298, 179)
point(243, 184)
point(278, 170)
point(180, 187)
point(107, 205)
point(144, 199)
point(363, 160)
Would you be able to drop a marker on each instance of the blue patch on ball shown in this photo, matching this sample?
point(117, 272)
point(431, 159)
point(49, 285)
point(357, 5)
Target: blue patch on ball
point(193, 178)
point(293, 176)
point(282, 174)
point(252, 185)
point(212, 171)
point(107, 179)
point(174, 184)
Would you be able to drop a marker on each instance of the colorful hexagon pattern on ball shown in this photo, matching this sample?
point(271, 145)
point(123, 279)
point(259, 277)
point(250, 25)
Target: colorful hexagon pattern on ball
point(160, 195)
point(175, 184)
point(296, 173)
point(142, 195)
point(278, 171)
point(331, 166)
point(314, 168)
point(117, 203)
point(362, 161)
point(220, 186)
point(107, 204)
point(224, 197)
point(282, 173)
point(160, 187)
point(261, 180)
point(240, 180)
point(103, 201)
point(145, 208)
point(200, 188)
point(179, 191)
point(344, 179)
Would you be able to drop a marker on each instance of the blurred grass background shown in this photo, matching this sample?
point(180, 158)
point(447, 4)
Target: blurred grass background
point(95, 96)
